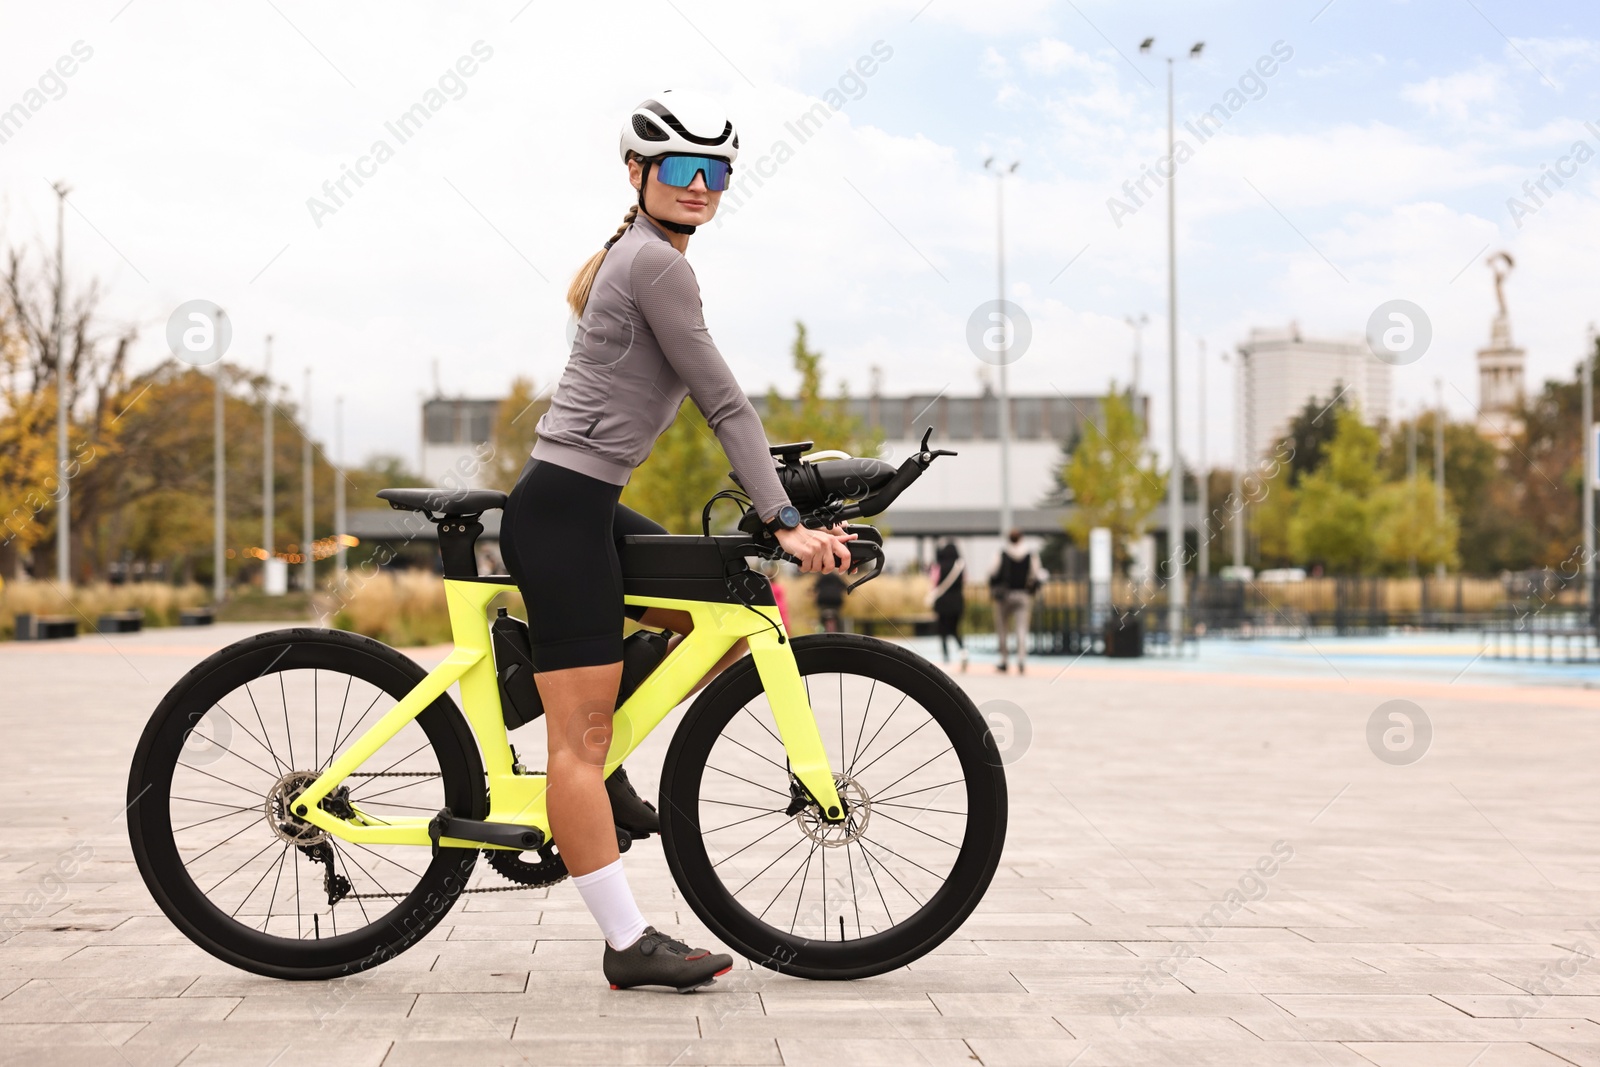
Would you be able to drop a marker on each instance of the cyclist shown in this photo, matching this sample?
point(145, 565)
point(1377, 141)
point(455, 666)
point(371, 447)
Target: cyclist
point(641, 348)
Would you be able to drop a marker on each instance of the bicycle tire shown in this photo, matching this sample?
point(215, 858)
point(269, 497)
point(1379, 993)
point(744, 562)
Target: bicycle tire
point(900, 942)
point(157, 758)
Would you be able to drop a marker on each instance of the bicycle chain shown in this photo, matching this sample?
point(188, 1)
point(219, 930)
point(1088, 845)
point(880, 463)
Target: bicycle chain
point(399, 896)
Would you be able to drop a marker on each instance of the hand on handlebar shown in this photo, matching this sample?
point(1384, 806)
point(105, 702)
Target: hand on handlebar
point(819, 551)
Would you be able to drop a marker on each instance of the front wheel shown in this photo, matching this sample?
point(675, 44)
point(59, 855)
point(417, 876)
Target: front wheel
point(926, 798)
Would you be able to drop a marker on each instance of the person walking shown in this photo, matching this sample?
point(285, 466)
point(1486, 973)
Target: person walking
point(948, 598)
point(1016, 577)
point(829, 591)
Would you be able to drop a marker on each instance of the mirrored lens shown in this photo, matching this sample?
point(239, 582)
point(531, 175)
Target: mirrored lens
point(679, 171)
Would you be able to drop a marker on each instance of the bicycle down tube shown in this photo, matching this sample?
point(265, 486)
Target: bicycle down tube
point(519, 798)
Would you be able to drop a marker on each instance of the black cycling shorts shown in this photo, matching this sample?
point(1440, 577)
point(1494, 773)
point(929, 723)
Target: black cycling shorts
point(558, 536)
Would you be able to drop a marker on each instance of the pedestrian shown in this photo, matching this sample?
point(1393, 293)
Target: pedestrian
point(1016, 577)
point(829, 593)
point(948, 598)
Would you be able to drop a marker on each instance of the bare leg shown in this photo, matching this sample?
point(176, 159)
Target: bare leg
point(578, 703)
point(682, 624)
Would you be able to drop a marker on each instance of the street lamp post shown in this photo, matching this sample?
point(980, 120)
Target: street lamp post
point(1137, 325)
point(309, 571)
point(1589, 458)
point(1175, 571)
point(1438, 465)
point(1000, 173)
point(63, 387)
point(219, 490)
point(1202, 479)
point(267, 461)
point(338, 484)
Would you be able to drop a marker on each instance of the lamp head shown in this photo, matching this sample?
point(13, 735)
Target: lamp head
point(1194, 53)
point(1144, 45)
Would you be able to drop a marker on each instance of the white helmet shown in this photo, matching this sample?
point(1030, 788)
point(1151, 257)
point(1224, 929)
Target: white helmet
point(679, 120)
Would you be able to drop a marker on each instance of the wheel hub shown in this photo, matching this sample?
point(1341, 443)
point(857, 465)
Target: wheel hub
point(279, 808)
point(858, 812)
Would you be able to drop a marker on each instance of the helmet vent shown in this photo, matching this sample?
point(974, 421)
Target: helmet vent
point(648, 130)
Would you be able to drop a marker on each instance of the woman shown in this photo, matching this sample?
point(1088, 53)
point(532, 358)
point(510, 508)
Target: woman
point(641, 348)
point(949, 599)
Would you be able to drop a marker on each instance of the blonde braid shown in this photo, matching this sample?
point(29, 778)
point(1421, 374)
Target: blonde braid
point(583, 281)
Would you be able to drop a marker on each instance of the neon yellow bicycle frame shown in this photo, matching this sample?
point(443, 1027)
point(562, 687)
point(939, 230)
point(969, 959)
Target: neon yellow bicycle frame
point(519, 799)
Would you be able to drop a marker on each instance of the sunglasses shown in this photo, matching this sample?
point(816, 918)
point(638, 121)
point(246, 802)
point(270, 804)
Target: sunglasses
point(679, 171)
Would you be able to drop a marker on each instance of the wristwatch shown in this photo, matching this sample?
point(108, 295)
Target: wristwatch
point(787, 518)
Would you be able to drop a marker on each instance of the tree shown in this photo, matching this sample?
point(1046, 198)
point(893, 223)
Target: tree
point(685, 468)
point(1271, 511)
point(1111, 477)
point(812, 416)
point(687, 465)
point(1332, 520)
point(1489, 537)
point(513, 433)
point(1312, 430)
point(1407, 527)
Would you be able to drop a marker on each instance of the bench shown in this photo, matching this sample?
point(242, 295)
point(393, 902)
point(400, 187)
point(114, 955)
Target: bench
point(45, 627)
point(196, 617)
point(120, 622)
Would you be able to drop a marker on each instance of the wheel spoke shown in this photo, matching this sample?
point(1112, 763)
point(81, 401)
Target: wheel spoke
point(268, 870)
point(896, 745)
point(757, 841)
point(917, 768)
point(214, 818)
point(741, 822)
point(896, 855)
point(741, 778)
point(868, 746)
point(886, 870)
point(241, 866)
point(266, 736)
point(338, 742)
point(914, 792)
point(798, 841)
point(918, 829)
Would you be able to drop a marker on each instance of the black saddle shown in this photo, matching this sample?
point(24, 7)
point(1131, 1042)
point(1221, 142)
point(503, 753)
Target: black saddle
point(453, 502)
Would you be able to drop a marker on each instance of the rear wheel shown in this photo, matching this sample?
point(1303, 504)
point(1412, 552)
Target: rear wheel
point(212, 790)
point(926, 798)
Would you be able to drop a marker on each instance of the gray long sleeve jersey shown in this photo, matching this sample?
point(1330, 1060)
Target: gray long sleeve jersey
point(641, 347)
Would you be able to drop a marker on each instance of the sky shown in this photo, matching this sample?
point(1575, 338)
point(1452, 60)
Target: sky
point(1373, 150)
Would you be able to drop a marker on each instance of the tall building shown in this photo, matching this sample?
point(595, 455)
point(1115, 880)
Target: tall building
point(1282, 370)
point(455, 437)
point(1500, 367)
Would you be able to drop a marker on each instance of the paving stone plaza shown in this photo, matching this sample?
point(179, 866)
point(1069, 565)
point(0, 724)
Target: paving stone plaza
point(1226, 859)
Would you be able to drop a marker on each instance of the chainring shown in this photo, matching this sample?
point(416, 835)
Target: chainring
point(510, 865)
point(550, 869)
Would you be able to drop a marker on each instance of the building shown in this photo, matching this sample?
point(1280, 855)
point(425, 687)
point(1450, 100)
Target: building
point(1500, 368)
point(455, 434)
point(1282, 370)
point(958, 496)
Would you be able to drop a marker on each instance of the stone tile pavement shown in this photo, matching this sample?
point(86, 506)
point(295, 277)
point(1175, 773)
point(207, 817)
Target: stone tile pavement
point(1206, 865)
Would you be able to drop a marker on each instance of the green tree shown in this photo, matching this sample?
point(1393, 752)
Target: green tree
point(688, 465)
point(1488, 535)
point(1332, 522)
point(812, 415)
point(1311, 431)
point(513, 434)
point(1407, 527)
point(1111, 477)
point(684, 469)
point(1271, 511)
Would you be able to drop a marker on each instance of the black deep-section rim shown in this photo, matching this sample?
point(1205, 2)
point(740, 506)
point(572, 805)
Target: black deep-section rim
point(946, 910)
point(160, 863)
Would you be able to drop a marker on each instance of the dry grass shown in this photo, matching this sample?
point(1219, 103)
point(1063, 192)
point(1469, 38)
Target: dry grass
point(404, 609)
point(159, 602)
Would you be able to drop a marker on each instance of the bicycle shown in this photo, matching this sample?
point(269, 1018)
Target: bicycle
point(392, 817)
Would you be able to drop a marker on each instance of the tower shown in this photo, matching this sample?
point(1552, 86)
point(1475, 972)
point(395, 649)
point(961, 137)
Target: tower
point(1500, 366)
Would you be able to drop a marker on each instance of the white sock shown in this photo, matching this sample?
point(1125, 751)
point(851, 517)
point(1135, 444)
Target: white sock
point(606, 894)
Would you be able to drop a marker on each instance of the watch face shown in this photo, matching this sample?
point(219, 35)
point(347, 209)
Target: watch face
point(789, 516)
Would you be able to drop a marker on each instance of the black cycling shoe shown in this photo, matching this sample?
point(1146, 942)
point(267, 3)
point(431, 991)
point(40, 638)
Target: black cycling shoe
point(629, 810)
point(656, 959)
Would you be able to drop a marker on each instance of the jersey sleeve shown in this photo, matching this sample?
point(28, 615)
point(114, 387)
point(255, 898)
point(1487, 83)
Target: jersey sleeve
point(668, 296)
